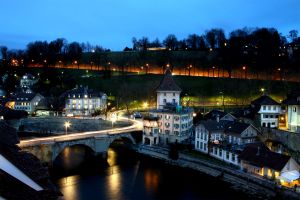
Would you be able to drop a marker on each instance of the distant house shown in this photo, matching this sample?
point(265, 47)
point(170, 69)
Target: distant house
point(84, 101)
point(223, 139)
point(292, 114)
point(27, 81)
point(219, 115)
point(258, 159)
point(268, 111)
point(26, 101)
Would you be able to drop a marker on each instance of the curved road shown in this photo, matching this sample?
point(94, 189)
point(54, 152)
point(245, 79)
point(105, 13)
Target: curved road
point(136, 126)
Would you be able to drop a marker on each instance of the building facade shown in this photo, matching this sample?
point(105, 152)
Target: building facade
point(268, 111)
point(224, 139)
point(292, 114)
point(258, 159)
point(84, 101)
point(173, 122)
point(27, 101)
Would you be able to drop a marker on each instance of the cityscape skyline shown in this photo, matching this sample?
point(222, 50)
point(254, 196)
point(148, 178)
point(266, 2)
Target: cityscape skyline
point(102, 23)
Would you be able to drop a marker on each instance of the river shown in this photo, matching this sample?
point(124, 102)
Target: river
point(126, 175)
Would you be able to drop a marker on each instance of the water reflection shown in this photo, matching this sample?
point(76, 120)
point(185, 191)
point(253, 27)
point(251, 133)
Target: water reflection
point(151, 178)
point(71, 157)
point(69, 186)
point(111, 157)
point(128, 176)
point(113, 183)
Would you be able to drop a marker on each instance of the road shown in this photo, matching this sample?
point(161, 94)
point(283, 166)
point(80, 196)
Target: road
point(136, 126)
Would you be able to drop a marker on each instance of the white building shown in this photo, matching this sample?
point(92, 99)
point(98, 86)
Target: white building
point(27, 81)
point(84, 101)
point(27, 101)
point(213, 137)
point(268, 111)
point(174, 122)
point(292, 114)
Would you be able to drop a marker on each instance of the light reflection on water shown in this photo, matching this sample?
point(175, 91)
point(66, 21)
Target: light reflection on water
point(69, 186)
point(127, 177)
point(151, 178)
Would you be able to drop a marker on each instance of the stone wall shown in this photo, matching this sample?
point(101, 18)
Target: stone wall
point(290, 140)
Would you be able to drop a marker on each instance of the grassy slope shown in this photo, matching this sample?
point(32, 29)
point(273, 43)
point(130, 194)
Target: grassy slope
point(142, 87)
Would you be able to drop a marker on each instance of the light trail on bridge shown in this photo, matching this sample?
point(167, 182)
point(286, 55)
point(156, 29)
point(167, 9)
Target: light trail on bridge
point(136, 126)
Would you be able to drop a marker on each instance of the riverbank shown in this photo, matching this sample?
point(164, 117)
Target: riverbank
point(254, 185)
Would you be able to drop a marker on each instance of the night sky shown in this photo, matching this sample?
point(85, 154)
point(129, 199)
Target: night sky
point(113, 23)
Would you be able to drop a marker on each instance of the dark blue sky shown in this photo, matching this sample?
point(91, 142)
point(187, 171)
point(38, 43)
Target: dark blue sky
point(113, 23)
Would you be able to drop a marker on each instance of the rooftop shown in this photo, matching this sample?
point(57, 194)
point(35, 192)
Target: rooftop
point(259, 155)
point(23, 96)
point(81, 91)
point(264, 100)
point(173, 110)
point(212, 115)
point(168, 83)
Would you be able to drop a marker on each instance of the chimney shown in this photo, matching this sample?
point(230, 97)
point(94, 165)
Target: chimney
point(258, 151)
point(218, 118)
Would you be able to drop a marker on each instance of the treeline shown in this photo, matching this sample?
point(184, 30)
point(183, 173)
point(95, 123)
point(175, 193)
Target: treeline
point(254, 50)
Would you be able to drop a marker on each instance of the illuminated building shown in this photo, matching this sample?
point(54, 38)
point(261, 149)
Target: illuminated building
point(169, 122)
point(84, 101)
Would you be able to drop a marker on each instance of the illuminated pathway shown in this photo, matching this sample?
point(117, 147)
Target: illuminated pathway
point(135, 126)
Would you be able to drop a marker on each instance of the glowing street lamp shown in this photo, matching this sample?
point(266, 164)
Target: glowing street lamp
point(67, 125)
point(145, 104)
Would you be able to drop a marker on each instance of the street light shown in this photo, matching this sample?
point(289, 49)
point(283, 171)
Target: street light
point(145, 104)
point(244, 68)
point(113, 119)
point(67, 125)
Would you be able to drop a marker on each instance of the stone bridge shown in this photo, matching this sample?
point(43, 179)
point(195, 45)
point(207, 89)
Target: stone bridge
point(46, 150)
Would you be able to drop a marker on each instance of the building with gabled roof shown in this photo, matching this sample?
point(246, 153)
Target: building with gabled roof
point(256, 158)
point(26, 101)
point(221, 139)
point(219, 115)
point(268, 111)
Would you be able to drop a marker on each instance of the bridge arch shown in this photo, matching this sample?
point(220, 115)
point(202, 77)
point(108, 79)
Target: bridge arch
point(124, 137)
point(60, 147)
